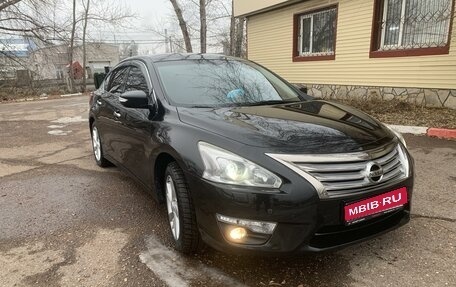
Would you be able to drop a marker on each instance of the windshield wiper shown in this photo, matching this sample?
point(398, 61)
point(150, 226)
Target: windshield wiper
point(201, 106)
point(266, 103)
point(246, 104)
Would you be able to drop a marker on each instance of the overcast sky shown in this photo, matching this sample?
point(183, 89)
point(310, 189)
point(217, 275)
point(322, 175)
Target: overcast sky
point(150, 14)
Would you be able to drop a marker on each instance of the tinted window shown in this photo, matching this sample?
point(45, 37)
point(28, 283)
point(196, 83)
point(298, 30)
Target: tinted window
point(117, 80)
point(136, 81)
point(221, 82)
point(104, 85)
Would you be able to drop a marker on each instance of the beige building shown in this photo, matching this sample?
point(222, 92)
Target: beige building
point(402, 49)
point(51, 62)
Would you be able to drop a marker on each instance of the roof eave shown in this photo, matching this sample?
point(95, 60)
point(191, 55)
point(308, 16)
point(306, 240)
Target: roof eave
point(270, 8)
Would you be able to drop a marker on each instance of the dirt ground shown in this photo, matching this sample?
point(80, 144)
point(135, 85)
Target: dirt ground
point(66, 222)
point(402, 113)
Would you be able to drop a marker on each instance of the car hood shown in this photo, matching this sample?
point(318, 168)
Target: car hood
point(303, 127)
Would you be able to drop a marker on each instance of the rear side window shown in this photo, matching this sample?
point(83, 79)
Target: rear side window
point(117, 80)
point(136, 81)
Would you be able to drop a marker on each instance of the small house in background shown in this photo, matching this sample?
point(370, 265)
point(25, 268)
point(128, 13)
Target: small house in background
point(404, 49)
point(51, 62)
point(14, 55)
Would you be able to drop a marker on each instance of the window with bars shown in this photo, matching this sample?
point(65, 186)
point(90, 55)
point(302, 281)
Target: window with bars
point(412, 25)
point(316, 33)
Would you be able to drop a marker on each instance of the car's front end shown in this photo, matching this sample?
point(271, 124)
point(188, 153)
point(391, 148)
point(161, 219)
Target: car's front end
point(307, 212)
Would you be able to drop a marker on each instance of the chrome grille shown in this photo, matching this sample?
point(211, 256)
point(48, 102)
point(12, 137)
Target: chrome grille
point(352, 176)
point(342, 174)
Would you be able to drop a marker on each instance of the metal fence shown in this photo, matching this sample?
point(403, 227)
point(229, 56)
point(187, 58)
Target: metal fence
point(411, 24)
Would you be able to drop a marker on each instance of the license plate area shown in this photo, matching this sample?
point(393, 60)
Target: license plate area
point(365, 209)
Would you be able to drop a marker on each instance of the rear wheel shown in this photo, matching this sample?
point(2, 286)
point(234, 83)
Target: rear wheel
point(181, 214)
point(97, 148)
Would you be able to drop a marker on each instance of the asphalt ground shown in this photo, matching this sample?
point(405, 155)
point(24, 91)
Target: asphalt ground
point(66, 222)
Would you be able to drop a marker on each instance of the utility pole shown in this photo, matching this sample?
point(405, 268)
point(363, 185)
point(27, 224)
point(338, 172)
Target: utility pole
point(171, 44)
point(166, 41)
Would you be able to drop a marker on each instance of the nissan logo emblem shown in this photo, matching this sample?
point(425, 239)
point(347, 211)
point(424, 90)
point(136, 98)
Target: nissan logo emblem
point(374, 172)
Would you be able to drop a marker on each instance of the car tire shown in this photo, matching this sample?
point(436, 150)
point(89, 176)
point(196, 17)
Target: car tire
point(180, 211)
point(97, 148)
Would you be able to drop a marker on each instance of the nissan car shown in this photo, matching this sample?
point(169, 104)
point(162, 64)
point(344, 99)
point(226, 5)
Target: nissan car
point(247, 162)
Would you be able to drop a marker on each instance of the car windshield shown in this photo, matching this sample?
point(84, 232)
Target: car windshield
point(210, 83)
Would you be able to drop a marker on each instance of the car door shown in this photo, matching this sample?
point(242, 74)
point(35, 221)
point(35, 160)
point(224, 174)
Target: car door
point(136, 126)
point(109, 116)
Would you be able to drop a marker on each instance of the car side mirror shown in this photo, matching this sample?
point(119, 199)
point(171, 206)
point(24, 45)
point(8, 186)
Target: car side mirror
point(134, 100)
point(303, 89)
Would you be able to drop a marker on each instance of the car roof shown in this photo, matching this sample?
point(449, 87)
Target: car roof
point(181, 57)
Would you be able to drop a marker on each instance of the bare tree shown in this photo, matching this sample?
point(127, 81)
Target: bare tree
point(105, 12)
point(232, 30)
point(84, 48)
point(239, 40)
point(24, 17)
point(237, 34)
point(71, 50)
point(183, 25)
point(6, 3)
point(203, 26)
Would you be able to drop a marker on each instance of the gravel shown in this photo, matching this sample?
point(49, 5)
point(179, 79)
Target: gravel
point(402, 113)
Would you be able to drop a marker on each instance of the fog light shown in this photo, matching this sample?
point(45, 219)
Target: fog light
point(254, 226)
point(238, 233)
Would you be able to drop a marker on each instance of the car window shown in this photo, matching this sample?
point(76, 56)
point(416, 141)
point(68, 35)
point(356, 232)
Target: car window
point(117, 80)
point(136, 81)
point(221, 82)
point(104, 85)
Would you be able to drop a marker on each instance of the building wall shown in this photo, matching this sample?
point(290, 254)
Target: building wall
point(50, 62)
point(242, 7)
point(46, 62)
point(270, 43)
point(9, 65)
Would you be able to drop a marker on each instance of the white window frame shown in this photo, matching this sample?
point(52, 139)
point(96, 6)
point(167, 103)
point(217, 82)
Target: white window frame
point(301, 30)
point(401, 25)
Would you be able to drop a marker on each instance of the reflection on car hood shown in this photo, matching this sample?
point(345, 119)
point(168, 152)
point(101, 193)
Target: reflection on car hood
point(304, 127)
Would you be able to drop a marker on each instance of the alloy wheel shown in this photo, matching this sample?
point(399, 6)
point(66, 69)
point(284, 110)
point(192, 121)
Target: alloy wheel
point(172, 206)
point(96, 144)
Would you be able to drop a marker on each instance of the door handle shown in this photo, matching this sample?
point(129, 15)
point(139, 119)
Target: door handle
point(117, 114)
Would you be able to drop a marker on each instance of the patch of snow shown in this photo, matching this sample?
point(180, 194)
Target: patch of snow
point(409, 129)
point(69, 120)
point(71, 95)
point(176, 270)
point(56, 126)
point(59, 133)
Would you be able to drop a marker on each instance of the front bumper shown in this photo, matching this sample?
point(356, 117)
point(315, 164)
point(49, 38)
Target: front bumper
point(305, 222)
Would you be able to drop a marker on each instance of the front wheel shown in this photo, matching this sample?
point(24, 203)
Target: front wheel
point(97, 148)
point(181, 214)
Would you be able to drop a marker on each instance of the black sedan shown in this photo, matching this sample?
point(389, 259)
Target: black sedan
point(244, 160)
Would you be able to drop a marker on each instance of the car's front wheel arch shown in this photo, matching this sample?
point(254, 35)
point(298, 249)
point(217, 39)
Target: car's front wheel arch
point(161, 162)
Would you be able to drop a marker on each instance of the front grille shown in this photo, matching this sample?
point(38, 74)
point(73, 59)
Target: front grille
point(332, 238)
point(349, 176)
point(335, 175)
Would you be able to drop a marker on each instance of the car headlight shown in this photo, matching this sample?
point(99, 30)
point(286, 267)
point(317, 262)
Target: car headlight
point(399, 136)
point(226, 167)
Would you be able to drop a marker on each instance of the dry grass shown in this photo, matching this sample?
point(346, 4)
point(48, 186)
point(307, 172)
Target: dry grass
point(13, 93)
point(403, 113)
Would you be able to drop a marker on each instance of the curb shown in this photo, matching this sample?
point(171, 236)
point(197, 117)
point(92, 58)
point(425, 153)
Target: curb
point(442, 133)
point(41, 98)
point(71, 95)
point(430, 132)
